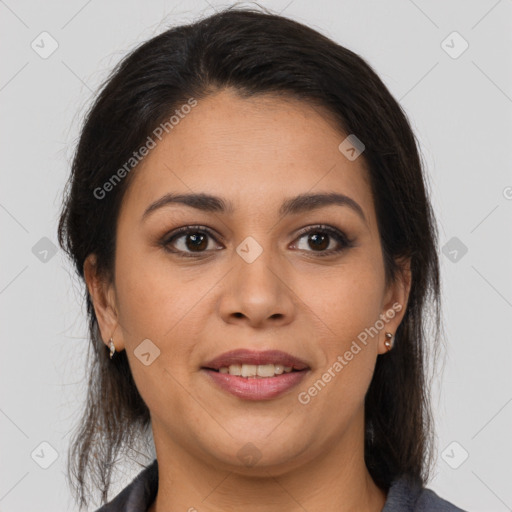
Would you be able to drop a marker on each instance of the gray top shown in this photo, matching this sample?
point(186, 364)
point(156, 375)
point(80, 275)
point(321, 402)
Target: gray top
point(403, 496)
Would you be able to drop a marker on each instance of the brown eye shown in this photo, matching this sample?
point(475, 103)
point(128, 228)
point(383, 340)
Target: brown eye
point(185, 241)
point(189, 239)
point(324, 240)
point(318, 241)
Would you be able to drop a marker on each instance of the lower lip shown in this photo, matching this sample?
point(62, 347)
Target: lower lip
point(251, 388)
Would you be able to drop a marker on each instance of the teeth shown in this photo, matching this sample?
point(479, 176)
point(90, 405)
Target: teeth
point(253, 370)
point(249, 370)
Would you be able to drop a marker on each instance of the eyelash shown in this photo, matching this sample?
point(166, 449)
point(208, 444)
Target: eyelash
point(338, 235)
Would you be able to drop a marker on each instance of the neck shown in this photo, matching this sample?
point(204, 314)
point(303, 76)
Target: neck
point(336, 479)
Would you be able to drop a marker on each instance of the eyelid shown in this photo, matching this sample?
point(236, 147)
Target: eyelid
point(323, 227)
point(184, 230)
point(339, 235)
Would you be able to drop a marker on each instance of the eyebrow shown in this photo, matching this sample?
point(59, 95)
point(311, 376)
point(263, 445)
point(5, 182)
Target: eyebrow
point(292, 206)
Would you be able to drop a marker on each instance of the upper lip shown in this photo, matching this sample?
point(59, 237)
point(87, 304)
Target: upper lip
point(245, 356)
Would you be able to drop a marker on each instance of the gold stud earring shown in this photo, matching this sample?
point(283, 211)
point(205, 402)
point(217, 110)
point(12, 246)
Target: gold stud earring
point(389, 341)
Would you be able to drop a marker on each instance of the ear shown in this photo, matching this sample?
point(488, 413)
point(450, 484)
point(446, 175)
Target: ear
point(395, 302)
point(102, 293)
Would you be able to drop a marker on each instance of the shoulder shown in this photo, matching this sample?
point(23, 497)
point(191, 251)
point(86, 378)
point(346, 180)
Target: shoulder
point(408, 495)
point(138, 495)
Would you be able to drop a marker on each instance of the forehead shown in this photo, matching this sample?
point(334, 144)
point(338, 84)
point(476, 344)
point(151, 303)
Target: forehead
point(252, 151)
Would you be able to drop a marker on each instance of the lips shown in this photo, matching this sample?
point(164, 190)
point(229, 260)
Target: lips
point(244, 356)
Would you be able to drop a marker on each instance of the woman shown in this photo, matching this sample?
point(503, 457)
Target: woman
point(247, 208)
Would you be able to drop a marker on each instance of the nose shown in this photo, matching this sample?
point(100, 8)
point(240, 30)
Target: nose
point(258, 293)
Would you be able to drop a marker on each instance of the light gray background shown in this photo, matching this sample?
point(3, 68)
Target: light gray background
point(461, 110)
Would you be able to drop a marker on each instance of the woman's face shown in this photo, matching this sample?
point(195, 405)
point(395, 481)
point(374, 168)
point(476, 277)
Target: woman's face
point(250, 277)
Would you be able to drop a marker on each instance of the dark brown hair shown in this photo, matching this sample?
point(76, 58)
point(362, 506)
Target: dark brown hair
point(255, 53)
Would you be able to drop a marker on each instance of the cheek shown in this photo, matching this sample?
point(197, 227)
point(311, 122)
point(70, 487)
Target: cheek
point(348, 303)
point(154, 305)
point(149, 297)
point(158, 301)
point(348, 298)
